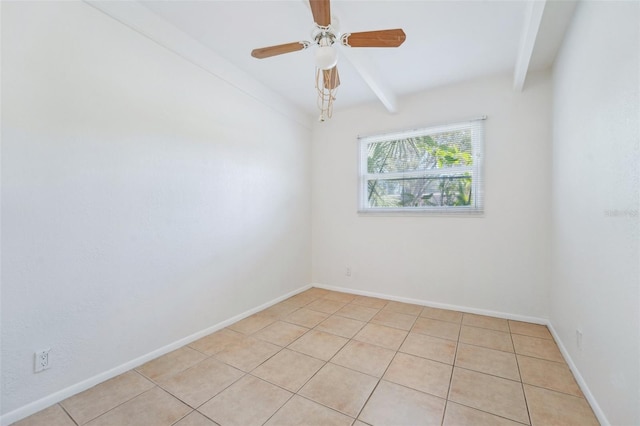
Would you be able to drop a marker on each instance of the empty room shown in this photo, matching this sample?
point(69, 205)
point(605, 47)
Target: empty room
point(320, 212)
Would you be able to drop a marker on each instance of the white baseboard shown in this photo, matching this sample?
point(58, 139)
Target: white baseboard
point(47, 401)
point(579, 379)
point(467, 309)
point(56, 397)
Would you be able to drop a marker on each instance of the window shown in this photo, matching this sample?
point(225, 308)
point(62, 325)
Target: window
point(435, 169)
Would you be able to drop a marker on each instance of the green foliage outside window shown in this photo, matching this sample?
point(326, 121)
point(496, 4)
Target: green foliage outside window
point(398, 164)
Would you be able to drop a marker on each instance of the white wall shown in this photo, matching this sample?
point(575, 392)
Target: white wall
point(143, 199)
point(596, 228)
point(497, 262)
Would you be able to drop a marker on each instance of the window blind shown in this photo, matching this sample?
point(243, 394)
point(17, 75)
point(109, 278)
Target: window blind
point(431, 169)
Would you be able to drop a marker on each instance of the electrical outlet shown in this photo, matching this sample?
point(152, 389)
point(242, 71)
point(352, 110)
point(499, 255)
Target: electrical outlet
point(579, 339)
point(347, 271)
point(41, 360)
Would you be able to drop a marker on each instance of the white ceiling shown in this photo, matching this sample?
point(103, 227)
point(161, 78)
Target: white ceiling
point(447, 41)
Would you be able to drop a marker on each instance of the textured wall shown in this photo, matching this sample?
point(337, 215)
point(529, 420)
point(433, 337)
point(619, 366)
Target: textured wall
point(497, 262)
point(143, 199)
point(596, 202)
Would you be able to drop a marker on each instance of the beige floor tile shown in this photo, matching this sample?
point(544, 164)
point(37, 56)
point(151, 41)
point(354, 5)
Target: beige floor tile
point(483, 382)
point(554, 408)
point(249, 401)
point(489, 361)
point(494, 395)
point(434, 348)
point(340, 326)
point(436, 328)
point(319, 344)
point(217, 342)
point(459, 415)
point(484, 321)
point(101, 398)
point(529, 329)
point(370, 302)
point(300, 411)
point(486, 338)
point(52, 416)
point(325, 305)
point(301, 299)
point(306, 317)
point(316, 292)
point(280, 310)
point(201, 382)
point(154, 407)
point(394, 319)
point(387, 337)
point(442, 314)
point(403, 308)
point(339, 388)
point(280, 333)
point(289, 369)
point(252, 324)
point(248, 353)
point(360, 313)
point(339, 297)
point(392, 404)
point(365, 358)
point(195, 419)
point(538, 348)
point(421, 374)
point(548, 374)
point(171, 363)
point(430, 347)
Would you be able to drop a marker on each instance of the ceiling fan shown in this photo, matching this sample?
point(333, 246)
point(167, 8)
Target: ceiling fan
point(324, 35)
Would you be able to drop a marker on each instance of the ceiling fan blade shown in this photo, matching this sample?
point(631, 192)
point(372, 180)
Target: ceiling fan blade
point(321, 10)
point(267, 52)
point(331, 78)
point(381, 38)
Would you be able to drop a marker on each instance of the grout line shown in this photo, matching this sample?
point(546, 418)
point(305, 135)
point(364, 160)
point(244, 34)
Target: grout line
point(488, 412)
point(486, 374)
point(128, 400)
point(279, 408)
point(285, 403)
point(326, 406)
point(446, 404)
point(524, 395)
point(67, 413)
point(383, 374)
point(555, 390)
point(453, 367)
point(220, 391)
point(183, 417)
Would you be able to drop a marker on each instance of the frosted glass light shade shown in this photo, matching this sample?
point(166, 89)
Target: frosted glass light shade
point(326, 57)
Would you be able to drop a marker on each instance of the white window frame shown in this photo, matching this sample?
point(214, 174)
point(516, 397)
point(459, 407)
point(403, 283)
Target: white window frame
point(476, 207)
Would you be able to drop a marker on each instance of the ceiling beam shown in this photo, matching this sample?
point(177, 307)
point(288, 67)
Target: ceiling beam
point(370, 74)
point(533, 17)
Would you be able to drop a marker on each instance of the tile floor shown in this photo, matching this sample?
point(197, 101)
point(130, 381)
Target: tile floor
point(329, 358)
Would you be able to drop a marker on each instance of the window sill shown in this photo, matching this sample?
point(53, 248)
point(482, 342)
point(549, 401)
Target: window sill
point(422, 212)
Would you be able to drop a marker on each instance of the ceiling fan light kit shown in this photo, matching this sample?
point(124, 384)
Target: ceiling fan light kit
point(326, 57)
point(324, 35)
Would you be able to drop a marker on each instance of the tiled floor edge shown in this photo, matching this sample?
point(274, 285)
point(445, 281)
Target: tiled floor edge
point(478, 311)
point(579, 379)
point(536, 320)
point(42, 403)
